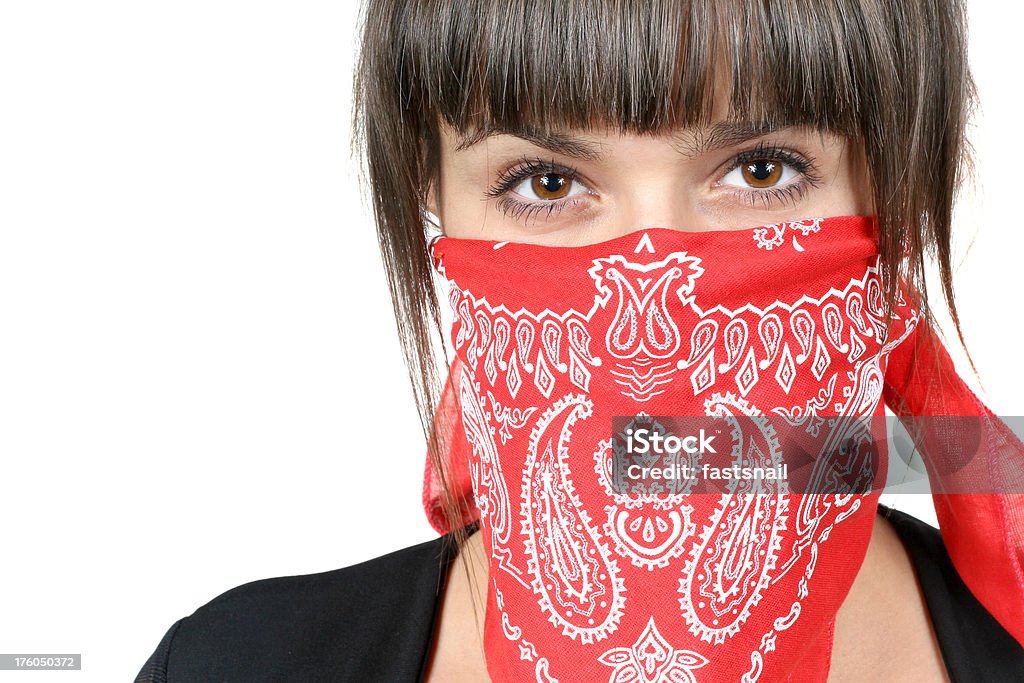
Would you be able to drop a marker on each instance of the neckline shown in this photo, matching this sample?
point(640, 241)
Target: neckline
point(446, 558)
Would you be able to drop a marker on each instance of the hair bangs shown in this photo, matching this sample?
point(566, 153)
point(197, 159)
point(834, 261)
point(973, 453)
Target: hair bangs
point(640, 67)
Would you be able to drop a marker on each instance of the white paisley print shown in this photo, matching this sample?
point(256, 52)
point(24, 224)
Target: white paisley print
point(641, 582)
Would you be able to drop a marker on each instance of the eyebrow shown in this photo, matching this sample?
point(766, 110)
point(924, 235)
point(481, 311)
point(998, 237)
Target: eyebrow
point(725, 134)
point(554, 142)
point(689, 141)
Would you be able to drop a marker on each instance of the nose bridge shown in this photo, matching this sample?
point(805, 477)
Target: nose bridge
point(657, 201)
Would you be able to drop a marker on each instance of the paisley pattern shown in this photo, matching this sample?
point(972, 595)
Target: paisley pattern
point(652, 660)
point(639, 581)
point(649, 525)
point(730, 566)
point(576, 579)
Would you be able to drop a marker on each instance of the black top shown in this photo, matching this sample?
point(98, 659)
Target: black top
point(374, 621)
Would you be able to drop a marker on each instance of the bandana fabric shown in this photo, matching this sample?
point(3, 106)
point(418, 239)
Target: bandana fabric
point(590, 581)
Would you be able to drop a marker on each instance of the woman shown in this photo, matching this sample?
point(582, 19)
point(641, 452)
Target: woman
point(578, 157)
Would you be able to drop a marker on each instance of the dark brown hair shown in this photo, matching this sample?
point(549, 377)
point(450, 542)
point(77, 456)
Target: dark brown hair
point(890, 75)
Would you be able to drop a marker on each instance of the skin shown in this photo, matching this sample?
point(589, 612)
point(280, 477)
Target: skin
point(691, 180)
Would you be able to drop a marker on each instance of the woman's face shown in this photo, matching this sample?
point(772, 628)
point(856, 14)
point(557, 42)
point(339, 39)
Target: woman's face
point(584, 186)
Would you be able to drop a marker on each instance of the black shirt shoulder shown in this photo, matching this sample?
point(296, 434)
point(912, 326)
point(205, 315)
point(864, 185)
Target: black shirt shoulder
point(371, 621)
point(975, 647)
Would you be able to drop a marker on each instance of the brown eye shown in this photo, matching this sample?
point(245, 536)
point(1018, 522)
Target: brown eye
point(762, 173)
point(550, 186)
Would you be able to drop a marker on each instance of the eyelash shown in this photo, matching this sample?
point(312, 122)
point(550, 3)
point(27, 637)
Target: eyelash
point(526, 168)
point(523, 169)
point(804, 165)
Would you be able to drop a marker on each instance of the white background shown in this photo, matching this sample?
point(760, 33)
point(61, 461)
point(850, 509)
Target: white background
point(198, 362)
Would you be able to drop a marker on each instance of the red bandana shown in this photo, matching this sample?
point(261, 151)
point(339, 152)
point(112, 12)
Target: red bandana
point(591, 580)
